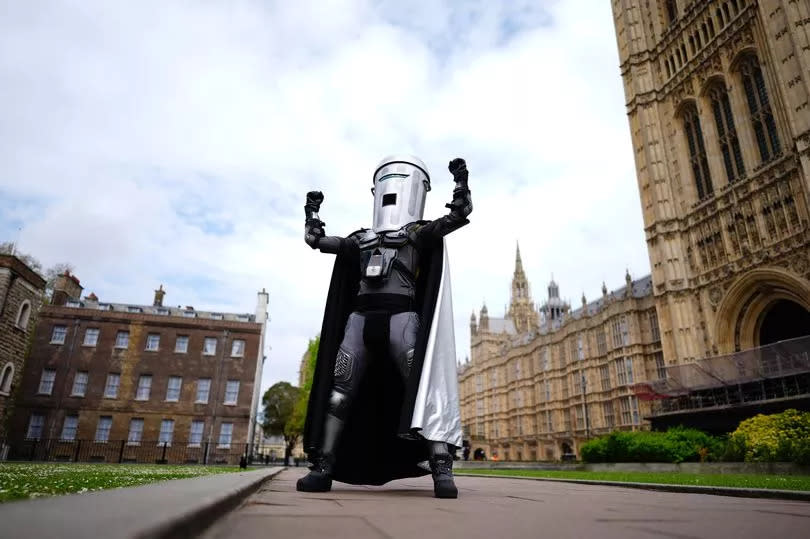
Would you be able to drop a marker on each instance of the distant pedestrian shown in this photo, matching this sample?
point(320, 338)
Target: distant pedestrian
point(466, 453)
point(243, 463)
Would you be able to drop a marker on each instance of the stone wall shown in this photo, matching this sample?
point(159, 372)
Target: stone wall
point(20, 289)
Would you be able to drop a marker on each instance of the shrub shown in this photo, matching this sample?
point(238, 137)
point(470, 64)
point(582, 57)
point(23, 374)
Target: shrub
point(783, 437)
point(676, 445)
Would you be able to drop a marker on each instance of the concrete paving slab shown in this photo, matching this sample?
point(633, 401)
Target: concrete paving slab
point(177, 508)
point(504, 509)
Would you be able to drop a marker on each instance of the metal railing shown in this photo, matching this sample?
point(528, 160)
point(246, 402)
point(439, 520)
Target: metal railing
point(775, 371)
point(122, 451)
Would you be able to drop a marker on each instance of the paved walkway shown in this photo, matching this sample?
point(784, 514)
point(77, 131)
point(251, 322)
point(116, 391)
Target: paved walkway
point(504, 509)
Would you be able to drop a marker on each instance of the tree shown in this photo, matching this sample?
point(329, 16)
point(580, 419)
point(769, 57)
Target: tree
point(278, 403)
point(299, 415)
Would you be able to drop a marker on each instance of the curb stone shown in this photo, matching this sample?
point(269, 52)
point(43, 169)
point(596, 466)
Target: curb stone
point(739, 492)
point(181, 508)
point(194, 521)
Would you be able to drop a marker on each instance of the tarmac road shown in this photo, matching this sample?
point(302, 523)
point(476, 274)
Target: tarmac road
point(504, 509)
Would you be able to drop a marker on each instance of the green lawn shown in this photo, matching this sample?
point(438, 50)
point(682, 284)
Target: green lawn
point(31, 480)
point(781, 482)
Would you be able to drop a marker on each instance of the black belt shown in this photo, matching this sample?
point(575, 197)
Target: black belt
point(390, 303)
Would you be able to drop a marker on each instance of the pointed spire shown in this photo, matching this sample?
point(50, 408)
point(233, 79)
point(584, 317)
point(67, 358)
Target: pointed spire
point(518, 261)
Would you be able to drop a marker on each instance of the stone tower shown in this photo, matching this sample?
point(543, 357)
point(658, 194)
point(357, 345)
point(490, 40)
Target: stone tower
point(521, 308)
point(718, 101)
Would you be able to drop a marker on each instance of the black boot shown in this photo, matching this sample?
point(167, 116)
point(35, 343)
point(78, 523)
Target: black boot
point(442, 467)
point(319, 479)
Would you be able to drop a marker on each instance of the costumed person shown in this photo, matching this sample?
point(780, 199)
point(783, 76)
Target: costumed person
point(384, 397)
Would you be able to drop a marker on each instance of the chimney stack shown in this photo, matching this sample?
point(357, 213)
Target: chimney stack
point(66, 287)
point(159, 293)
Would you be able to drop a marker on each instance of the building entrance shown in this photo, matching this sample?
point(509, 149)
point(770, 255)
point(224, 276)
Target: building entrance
point(784, 320)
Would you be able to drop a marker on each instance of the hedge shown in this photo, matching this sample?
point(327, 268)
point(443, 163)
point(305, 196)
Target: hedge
point(783, 437)
point(676, 445)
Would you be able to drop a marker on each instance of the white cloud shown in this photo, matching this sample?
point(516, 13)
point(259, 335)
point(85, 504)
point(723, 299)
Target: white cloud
point(173, 143)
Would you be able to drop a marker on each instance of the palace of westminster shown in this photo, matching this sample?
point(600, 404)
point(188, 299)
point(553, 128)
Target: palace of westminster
point(718, 102)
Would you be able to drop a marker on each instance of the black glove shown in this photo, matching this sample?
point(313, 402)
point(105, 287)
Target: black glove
point(458, 168)
point(314, 199)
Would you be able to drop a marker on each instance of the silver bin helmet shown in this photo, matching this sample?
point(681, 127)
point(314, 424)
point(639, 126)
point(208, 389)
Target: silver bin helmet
point(401, 183)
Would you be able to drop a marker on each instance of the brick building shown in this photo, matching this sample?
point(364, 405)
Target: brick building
point(21, 290)
point(120, 382)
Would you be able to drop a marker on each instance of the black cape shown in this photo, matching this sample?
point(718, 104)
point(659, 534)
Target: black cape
point(377, 444)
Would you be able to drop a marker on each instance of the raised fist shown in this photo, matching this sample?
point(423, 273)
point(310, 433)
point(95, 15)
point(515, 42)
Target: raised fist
point(457, 165)
point(314, 199)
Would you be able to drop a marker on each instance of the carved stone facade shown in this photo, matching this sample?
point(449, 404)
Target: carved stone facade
point(522, 392)
point(717, 100)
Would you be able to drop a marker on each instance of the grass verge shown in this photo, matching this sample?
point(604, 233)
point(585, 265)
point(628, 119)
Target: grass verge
point(32, 480)
point(779, 482)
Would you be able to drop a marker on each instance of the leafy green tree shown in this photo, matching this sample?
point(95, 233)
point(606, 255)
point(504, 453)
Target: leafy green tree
point(300, 411)
point(278, 403)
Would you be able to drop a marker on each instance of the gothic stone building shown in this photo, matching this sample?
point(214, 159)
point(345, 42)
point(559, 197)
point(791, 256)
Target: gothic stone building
point(117, 382)
point(21, 290)
point(541, 381)
point(718, 100)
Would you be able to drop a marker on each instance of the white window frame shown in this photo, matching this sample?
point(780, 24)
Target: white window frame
point(604, 377)
point(112, 376)
point(122, 343)
point(206, 342)
point(625, 331)
point(70, 426)
point(58, 331)
point(195, 438)
point(621, 371)
point(228, 385)
point(628, 367)
point(238, 352)
point(39, 425)
point(91, 336)
point(135, 436)
point(6, 379)
point(77, 385)
point(197, 399)
point(173, 393)
point(144, 390)
point(177, 348)
point(23, 315)
point(46, 382)
point(103, 428)
point(166, 435)
point(221, 443)
point(152, 342)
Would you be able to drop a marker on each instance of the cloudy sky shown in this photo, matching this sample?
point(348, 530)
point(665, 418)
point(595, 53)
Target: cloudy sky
point(173, 142)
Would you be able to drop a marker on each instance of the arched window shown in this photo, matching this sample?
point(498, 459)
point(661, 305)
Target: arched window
point(5, 378)
point(759, 106)
point(24, 314)
point(726, 132)
point(697, 151)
